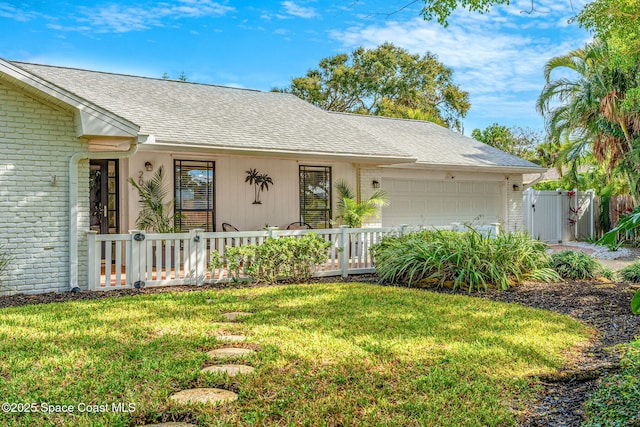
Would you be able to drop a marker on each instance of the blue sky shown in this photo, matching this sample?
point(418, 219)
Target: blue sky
point(497, 58)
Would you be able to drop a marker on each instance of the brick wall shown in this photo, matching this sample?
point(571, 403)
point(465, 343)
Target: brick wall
point(514, 205)
point(36, 142)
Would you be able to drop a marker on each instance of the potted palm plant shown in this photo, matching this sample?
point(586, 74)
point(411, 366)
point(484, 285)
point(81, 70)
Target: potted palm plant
point(352, 212)
point(156, 215)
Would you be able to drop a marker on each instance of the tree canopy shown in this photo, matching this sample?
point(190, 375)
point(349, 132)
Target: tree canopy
point(386, 81)
point(519, 141)
point(615, 21)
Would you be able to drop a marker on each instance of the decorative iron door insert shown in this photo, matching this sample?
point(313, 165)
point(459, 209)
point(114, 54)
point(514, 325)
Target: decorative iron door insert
point(103, 196)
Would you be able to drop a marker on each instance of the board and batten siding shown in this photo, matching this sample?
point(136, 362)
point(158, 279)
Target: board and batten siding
point(234, 197)
point(36, 143)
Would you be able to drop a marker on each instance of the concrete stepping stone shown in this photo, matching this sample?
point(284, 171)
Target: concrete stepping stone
point(170, 424)
point(221, 353)
point(234, 315)
point(231, 370)
point(204, 395)
point(225, 325)
point(231, 338)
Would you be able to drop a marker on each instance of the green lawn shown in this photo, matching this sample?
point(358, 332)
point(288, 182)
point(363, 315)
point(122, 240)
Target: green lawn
point(331, 354)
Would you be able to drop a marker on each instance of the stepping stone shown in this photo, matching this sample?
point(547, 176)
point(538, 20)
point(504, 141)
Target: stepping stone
point(231, 338)
point(225, 325)
point(171, 424)
point(204, 395)
point(231, 370)
point(234, 315)
point(221, 353)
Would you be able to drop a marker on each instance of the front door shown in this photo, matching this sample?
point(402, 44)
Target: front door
point(103, 198)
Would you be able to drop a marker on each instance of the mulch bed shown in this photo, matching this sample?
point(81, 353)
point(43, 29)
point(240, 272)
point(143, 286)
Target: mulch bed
point(606, 307)
point(602, 306)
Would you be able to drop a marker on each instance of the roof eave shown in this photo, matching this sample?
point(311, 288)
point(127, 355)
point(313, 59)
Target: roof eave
point(377, 159)
point(472, 168)
point(91, 120)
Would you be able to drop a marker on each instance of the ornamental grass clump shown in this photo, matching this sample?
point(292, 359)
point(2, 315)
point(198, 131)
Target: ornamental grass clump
point(631, 273)
point(577, 265)
point(466, 260)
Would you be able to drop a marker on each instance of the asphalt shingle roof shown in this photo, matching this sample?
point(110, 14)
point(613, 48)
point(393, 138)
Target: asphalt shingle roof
point(223, 117)
point(432, 144)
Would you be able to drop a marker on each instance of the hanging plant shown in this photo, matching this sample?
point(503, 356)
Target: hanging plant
point(260, 182)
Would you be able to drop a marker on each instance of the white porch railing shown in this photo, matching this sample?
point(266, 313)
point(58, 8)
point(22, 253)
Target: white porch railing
point(138, 259)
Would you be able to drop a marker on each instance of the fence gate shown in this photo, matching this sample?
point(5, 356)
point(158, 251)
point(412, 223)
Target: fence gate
point(558, 216)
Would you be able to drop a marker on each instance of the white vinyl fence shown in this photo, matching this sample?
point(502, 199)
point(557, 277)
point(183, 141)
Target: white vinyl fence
point(139, 259)
point(558, 216)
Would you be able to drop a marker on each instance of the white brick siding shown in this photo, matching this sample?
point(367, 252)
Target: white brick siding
point(514, 205)
point(36, 142)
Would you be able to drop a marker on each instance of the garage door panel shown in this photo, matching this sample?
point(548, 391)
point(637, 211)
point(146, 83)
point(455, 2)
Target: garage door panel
point(450, 187)
point(464, 187)
point(402, 186)
point(434, 186)
point(491, 187)
point(438, 203)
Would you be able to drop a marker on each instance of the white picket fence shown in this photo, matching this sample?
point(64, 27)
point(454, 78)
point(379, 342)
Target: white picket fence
point(139, 259)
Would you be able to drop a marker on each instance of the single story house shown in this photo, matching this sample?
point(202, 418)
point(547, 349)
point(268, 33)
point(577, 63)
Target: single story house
point(70, 139)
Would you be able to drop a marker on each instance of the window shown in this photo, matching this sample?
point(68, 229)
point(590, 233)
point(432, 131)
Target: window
point(315, 196)
point(194, 193)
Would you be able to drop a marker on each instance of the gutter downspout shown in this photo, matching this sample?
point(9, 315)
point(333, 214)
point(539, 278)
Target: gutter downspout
point(535, 181)
point(73, 203)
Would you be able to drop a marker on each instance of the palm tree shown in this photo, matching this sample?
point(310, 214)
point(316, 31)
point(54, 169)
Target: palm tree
point(352, 212)
point(155, 214)
point(585, 112)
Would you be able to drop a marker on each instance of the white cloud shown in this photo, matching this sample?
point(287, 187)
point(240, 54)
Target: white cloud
point(298, 11)
point(497, 57)
point(121, 19)
point(12, 12)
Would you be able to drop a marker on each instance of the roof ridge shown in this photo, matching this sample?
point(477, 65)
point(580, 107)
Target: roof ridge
point(160, 79)
point(376, 116)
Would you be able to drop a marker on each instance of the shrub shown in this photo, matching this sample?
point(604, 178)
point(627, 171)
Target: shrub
point(466, 260)
point(635, 303)
point(617, 401)
point(631, 273)
point(576, 265)
point(276, 259)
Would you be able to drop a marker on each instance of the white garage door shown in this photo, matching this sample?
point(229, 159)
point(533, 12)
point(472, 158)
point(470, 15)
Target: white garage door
point(420, 202)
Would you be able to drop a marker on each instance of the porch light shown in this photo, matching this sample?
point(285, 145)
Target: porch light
point(375, 184)
point(516, 187)
point(148, 166)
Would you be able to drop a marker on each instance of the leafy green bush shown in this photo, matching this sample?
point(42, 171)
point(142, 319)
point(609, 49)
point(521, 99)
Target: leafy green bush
point(635, 303)
point(276, 259)
point(577, 265)
point(617, 401)
point(466, 260)
point(631, 273)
